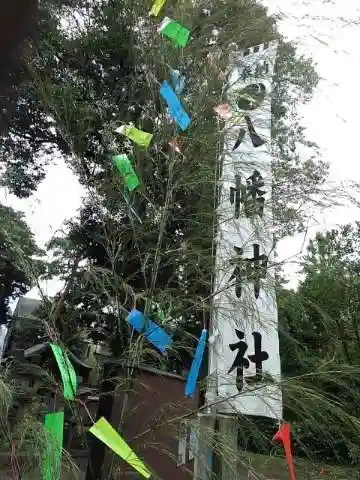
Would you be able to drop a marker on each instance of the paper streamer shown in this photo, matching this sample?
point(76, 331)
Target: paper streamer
point(54, 425)
point(223, 111)
point(157, 6)
point(178, 81)
point(283, 435)
point(67, 372)
point(108, 435)
point(177, 111)
point(177, 33)
point(152, 332)
point(193, 376)
point(126, 169)
point(139, 137)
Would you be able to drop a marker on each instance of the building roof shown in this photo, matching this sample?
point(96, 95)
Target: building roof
point(26, 307)
point(43, 347)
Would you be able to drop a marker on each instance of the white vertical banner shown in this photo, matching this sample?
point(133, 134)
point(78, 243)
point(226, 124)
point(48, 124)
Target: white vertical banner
point(244, 349)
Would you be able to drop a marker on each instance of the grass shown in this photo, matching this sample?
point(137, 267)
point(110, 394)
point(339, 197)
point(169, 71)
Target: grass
point(275, 468)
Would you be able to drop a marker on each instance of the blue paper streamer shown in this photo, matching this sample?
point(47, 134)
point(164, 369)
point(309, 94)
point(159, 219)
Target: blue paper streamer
point(176, 109)
point(190, 386)
point(178, 81)
point(152, 332)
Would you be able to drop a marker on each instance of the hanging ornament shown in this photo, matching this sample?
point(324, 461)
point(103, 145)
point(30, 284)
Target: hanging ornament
point(177, 33)
point(108, 435)
point(174, 145)
point(151, 331)
point(126, 169)
point(190, 386)
point(142, 139)
point(283, 435)
point(223, 111)
point(177, 111)
point(67, 372)
point(54, 425)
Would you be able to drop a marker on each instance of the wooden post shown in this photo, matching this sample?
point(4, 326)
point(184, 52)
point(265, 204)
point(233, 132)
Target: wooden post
point(228, 440)
point(97, 448)
point(203, 462)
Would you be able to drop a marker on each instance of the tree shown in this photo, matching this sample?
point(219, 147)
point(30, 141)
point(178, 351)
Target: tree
point(20, 260)
point(332, 287)
point(320, 341)
point(83, 91)
point(81, 81)
point(78, 77)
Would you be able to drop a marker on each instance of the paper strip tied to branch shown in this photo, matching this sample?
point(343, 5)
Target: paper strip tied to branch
point(177, 33)
point(174, 145)
point(190, 386)
point(142, 139)
point(223, 111)
point(126, 169)
point(68, 374)
point(54, 425)
point(284, 436)
point(157, 6)
point(108, 435)
point(177, 111)
point(152, 332)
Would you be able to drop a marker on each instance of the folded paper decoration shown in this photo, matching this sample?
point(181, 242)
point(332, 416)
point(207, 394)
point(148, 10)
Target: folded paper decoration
point(174, 145)
point(283, 435)
point(152, 332)
point(177, 33)
point(67, 372)
point(176, 109)
point(223, 111)
point(126, 169)
point(178, 81)
point(157, 6)
point(139, 137)
point(54, 425)
point(190, 386)
point(108, 435)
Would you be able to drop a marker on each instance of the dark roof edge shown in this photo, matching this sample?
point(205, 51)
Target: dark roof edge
point(145, 368)
point(42, 347)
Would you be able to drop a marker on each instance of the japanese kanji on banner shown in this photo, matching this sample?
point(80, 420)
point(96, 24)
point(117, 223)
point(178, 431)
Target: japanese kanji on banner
point(244, 351)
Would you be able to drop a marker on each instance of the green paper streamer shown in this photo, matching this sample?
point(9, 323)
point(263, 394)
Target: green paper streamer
point(142, 139)
point(67, 372)
point(126, 169)
point(157, 6)
point(54, 425)
point(177, 33)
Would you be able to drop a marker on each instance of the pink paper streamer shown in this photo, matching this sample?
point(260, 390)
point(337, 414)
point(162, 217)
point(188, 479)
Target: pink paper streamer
point(223, 111)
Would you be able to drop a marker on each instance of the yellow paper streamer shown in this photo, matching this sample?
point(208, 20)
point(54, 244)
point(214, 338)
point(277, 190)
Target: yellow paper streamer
point(108, 435)
point(139, 137)
point(157, 6)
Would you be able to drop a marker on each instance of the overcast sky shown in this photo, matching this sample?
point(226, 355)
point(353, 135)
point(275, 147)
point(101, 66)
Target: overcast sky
point(322, 30)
